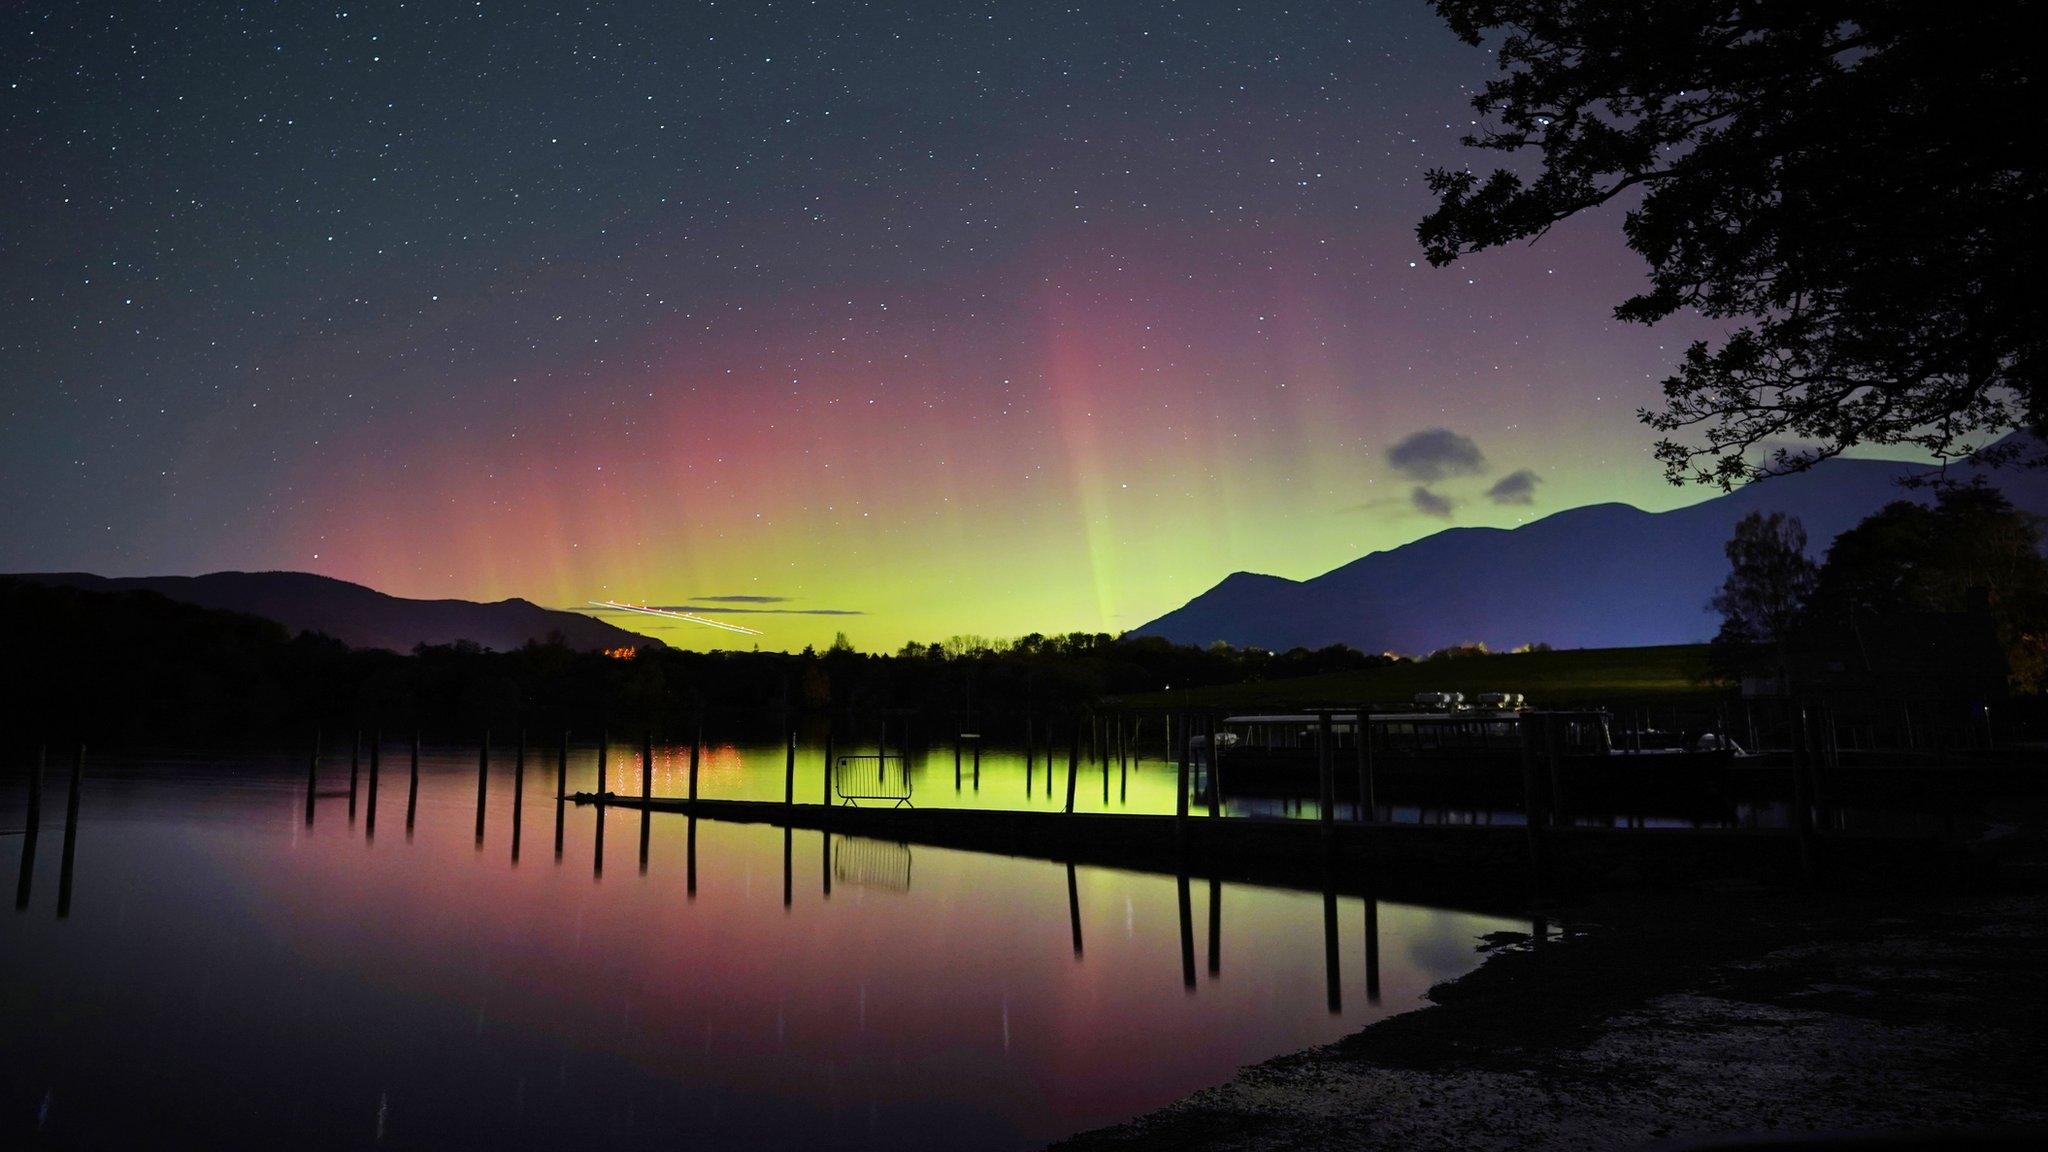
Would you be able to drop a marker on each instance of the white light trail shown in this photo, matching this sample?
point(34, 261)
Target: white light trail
point(692, 617)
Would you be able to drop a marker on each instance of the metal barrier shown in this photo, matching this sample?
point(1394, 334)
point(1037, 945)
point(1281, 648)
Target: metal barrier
point(872, 777)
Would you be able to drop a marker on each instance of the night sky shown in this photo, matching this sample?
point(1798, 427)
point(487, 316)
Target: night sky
point(897, 320)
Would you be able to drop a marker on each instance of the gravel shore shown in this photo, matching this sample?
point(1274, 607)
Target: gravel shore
point(1697, 1016)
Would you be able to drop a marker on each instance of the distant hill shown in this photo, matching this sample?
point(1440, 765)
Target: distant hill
point(1604, 575)
point(364, 617)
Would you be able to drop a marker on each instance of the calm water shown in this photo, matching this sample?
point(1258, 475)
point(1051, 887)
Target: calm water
point(228, 974)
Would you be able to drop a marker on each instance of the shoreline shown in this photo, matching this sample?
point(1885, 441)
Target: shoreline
point(1697, 1016)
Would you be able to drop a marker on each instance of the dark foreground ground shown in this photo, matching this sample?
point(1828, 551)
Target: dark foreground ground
point(1686, 1019)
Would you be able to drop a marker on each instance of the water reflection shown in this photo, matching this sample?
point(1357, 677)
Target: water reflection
point(312, 983)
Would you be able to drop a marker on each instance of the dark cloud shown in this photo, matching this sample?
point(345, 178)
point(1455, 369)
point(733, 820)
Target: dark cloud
point(1436, 453)
point(1517, 487)
point(744, 599)
point(1429, 503)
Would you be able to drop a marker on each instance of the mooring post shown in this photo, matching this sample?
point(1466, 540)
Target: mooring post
point(376, 761)
point(825, 863)
point(977, 763)
point(483, 775)
point(1326, 772)
point(1368, 805)
point(1073, 763)
point(1180, 804)
point(518, 792)
point(597, 856)
point(34, 815)
point(1029, 753)
point(956, 762)
point(826, 798)
point(355, 760)
point(1215, 766)
point(1531, 814)
point(788, 867)
point(312, 782)
point(604, 747)
point(696, 749)
point(1049, 737)
point(789, 769)
point(70, 835)
point(561, 789)
point(412, 786)
point(1802, 791)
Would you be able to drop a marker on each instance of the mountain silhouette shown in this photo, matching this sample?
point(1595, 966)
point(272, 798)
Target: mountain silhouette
point(1602, 575)
point(364, 617)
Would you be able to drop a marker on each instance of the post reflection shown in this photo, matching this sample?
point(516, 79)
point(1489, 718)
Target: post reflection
point(1187, 933)
point(1074, 908)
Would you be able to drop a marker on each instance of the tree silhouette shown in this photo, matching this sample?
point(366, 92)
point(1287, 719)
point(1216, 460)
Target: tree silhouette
point(1763, 600)
point(1852, 180)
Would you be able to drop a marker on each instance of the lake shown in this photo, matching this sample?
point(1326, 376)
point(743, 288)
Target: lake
point(230, 973)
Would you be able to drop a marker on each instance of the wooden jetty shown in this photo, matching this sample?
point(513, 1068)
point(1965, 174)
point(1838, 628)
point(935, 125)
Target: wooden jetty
point(1396, 860)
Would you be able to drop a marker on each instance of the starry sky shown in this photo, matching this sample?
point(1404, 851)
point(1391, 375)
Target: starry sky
point(901, 320)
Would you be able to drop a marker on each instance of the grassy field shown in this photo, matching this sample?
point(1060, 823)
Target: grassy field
point(1549, 679)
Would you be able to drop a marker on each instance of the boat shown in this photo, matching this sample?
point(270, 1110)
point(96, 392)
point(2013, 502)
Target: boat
point(1439, 748)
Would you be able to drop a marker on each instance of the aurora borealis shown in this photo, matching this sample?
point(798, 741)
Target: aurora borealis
point(897, 320)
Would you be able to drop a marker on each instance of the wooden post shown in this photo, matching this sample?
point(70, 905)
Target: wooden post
point(355, 760)
point(376, 756)
point(1326, 772)
point(956, 762)
point(483, 772)
point(1048, 754)
point(604, 751)
point(518, 793)
point(597, 855)
point(35, 785)
point(561, 788)
point(977, 763)
point(825, 862)
point(1367, 804)
point(826, 799)
point(788, 870)
point(789, 770)
point(1215, 767)
point(1532, 815)
point(412, 786)
point(1029, 751)
point(1553, 739)
point(1180, 804)
point(1073, 762)
point(1802, 790)
point(70, 835)
point(33, 818)
point(696, 748)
